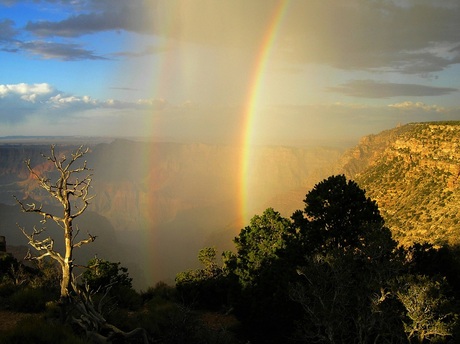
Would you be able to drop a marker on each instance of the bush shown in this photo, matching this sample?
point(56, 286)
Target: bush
point(161, 291)
point(126, 297)
point(29, 300)
point(8, 264)
point(101, 273)
point(38, 331)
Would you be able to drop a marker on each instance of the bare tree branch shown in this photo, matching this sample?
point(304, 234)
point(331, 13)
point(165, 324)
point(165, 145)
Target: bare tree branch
point(46, 245)
point(89, 240)
point(73, 195)
point(32, 208)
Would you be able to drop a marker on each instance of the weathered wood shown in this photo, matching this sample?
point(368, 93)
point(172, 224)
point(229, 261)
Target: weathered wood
point(65, 189)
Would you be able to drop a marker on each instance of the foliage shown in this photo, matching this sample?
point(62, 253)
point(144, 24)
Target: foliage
point(263, 268)
point(259, 244)
point(205, 287)
point(348, 264)
point(339, 215)
point(47, 275)
point(8, 264)
point(111, 287)
point(429, 310)
point(30, 300)
point(344, 301)
point(330, 274)
point(24, 288)
point(160, 291)
point(102, 273)
point(329, 268)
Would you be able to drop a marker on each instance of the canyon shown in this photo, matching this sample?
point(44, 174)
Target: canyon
point(158, 203)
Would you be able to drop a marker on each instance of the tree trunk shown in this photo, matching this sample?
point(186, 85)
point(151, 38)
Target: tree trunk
point(66, 283)
point(66, 280)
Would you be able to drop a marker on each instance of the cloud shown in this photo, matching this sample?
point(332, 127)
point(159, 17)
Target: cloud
point(157, 104)
point(59, 101)
point(21, 101)
point(417, 106)
point(26, 91)
point(149, 50)
point(7, 32)
point(409, 37)
point(18, 102)
point(104, 15)
point(373, 35)
point(60, 51)
point(374, 89)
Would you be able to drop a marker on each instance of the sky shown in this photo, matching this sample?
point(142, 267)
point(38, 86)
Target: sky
point(194, 70)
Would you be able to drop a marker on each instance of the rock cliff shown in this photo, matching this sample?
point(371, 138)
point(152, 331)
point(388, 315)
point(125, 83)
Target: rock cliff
point(413, 173)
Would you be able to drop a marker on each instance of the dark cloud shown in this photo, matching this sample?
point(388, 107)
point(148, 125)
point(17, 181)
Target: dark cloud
point(373, 35)
point(100, 16)
point(60, 51)
point(374, 89)
point(410, 37)
point(7, 31)
point(75, 26)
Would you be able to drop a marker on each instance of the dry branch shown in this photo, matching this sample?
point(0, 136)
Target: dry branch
point(73, 195)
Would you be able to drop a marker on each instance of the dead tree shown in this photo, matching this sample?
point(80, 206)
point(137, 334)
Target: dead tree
point(91, 320)
point(73, 195)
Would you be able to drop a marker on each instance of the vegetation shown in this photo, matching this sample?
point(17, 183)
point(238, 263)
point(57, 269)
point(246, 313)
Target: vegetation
point(77, 304)
point(331, 273)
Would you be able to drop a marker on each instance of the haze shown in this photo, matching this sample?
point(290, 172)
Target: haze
point(183, 70)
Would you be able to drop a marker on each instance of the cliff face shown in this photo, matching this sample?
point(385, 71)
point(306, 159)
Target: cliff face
point(413, 174)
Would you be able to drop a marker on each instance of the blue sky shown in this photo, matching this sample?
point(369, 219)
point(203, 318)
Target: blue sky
point(181, 70)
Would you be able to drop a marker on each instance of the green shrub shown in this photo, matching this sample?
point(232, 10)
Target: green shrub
point(101, 273)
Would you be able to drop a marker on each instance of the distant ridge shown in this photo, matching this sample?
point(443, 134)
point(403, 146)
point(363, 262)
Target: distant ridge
point(413, 172)
point(67, 140)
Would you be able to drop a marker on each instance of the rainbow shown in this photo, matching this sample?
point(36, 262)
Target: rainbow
point(252, 109)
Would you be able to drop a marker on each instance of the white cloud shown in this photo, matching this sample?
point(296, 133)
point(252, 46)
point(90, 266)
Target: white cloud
point(29, 97)
point(153, 103)
point(411, 106)
point(26, 90)
point(59, 99)
point(68, 101)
